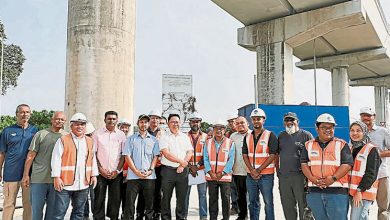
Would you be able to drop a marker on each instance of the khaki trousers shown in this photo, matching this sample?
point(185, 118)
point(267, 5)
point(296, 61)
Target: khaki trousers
point(10, 191)
point(382, 199)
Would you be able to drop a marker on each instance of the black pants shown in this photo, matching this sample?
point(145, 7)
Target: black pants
point(224, 188)
point(240, 182)
point(134, 188)
point(114, 199)
point(173, 180)
point(123, 194)
point(157, 196)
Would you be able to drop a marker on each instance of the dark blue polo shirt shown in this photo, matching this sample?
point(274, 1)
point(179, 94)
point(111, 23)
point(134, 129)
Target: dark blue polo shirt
point(14, 143)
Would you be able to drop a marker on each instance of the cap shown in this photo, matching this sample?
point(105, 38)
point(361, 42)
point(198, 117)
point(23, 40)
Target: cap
point(142, 117)
point(155, 112)
point(290, 115)
point(367, 110)
point(89, 128)
point(195, 116)
point(124, 121)
point(258, 112)
point(78, 117)
point(326, 118)
point(219, 123)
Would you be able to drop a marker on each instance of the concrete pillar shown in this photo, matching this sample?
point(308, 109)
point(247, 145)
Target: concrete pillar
point(382, 104)
point(340, 86)
point(274, 73)
point(100, 58)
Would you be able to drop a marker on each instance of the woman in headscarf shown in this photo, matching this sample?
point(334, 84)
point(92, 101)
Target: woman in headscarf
point(363, 186)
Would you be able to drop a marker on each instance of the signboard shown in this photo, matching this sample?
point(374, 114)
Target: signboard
point(177, 95)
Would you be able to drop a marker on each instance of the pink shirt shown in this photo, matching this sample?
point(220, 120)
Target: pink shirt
point(109, 147)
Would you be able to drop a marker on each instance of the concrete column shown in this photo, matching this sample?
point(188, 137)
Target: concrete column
point(274, 73)
point(100, 58)
point(382, 104)
point(340, 86)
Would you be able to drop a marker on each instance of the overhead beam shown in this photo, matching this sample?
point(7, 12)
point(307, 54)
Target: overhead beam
point(347, 59)
point(371, 81)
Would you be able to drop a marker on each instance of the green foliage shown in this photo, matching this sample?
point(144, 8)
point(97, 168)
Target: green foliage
point(204, 125)
point(41, 119)
point(13, 62)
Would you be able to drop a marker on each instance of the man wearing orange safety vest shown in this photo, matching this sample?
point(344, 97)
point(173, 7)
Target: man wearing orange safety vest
point(196, 176)
point(259, 150)
point(325, 161)
point(218, 155)
point(74, 168)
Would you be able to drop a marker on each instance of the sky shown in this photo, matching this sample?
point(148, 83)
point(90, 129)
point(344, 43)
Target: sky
point(172, 37)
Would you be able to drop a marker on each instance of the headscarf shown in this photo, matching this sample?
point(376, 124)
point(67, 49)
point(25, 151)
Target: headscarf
point(366, 138)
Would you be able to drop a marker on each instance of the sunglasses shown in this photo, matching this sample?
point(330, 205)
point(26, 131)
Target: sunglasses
point(289, 119)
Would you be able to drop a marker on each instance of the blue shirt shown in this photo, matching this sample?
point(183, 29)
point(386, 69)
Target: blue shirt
point(229, 164)
point(141, 151)
point(14, 143)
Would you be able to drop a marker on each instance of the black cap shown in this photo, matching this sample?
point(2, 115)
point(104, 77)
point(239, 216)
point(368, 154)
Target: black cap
point(143, 116)
point(290, 115)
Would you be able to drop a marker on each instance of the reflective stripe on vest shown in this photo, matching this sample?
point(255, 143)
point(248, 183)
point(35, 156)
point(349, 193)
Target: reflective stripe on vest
point(325, 162)
point(198, 151)
point(260, 155)
point(358, 171)
point(219, 159)
point(69, 160)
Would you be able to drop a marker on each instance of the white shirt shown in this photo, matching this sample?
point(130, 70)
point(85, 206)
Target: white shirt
point(56, 160)
point(380, 136)
point(239, 167)
point(178, 145)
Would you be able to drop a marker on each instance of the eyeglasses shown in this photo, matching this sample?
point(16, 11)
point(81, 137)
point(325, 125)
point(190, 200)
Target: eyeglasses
point(289, 119)
point(326, 128)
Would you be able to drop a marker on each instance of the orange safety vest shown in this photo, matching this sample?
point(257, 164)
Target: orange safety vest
point(198, 151)
point(219, 159)
point(358, 170)
point(260, 155)
point(69, 160)
point(325, 162)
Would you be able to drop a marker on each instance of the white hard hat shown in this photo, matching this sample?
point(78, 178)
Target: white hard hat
point(78, 117)
point(326, 118)
point(232, 116)
point(219, 123)
point(124, 121)
point(89, 128)
point(195, 116)
point(367, 110)
point(155, 112)
point(258, 112)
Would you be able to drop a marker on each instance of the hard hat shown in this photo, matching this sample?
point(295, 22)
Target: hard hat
point(219, 123)
point(258, 112)
point(155, 112)
point(326, 118)
point(232, 116)
point(89, 128)
point(78, 117)
point(195, 116)
point(367, 110)
point(124, 121)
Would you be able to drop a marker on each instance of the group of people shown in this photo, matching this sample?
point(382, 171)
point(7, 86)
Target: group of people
point(319, 178)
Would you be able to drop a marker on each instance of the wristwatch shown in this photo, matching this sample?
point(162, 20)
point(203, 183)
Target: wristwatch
point(334, 178)
point(150, 169)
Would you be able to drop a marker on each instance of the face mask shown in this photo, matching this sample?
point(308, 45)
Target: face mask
point(290, 130)
point(163, 127)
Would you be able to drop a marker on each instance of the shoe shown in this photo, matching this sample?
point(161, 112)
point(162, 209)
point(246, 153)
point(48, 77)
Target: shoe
point(156, 216)
point(233, 211)
point(139, 216)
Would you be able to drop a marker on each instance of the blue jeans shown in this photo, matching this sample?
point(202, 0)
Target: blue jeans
point(41, 194)
point(328, 206)
point(361, 212)
point(202, 189)
point(264, 185)
point(78, 199)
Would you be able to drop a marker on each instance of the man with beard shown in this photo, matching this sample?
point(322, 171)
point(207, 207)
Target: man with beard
point(381, 138)
point(196, 166)
point(109, 142)
point(218, 160)
point(239, 168)
point(259, 151)
point(291, 179)
point(326, 161)
point(176, 149)
point(39, 158)
point(141, 151)
point(14, 143)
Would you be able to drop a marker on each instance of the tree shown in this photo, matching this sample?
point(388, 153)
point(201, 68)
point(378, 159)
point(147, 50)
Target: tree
point(41, 119)
point(13, 62)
